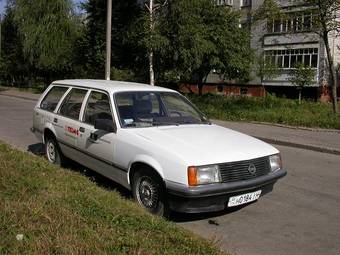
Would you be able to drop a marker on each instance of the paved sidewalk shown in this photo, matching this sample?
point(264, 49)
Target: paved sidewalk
point(20, 94)
point(322, 140)
point(318, 140)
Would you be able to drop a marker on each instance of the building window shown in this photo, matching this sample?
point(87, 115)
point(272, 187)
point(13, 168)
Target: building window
point(224, 2)
point(296, 22)
point(287, 59)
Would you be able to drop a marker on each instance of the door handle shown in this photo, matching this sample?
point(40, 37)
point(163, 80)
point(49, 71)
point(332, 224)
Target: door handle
point(81, 129)
point(55, 120)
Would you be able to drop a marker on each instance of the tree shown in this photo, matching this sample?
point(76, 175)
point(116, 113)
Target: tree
point(266, 70)
point(92, 45)
point(13, 66)
point(47, 30)
point(203, 37)
point(301, 76)
point(326, 22)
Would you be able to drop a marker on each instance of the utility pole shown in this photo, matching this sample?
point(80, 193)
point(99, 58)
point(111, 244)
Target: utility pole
point(152, 26)
point(152, 8)
point(108, 40)
point(0, 34)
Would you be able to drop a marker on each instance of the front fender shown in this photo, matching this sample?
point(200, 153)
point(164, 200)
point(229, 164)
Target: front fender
point(148, 160)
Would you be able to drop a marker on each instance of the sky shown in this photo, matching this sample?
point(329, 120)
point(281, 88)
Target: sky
point(3, 4)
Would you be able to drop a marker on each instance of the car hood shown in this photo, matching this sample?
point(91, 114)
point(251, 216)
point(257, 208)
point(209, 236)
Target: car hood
point(205, 144)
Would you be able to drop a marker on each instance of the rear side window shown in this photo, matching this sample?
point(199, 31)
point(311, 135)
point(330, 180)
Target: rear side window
point(98, 107)
point(72, 103)
point(51, 100)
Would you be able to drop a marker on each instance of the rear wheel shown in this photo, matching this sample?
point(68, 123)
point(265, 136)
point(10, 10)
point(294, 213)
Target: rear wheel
point(52, 151)
point(148, 190)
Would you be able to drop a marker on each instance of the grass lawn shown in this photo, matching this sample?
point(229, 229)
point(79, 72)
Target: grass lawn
point(269, 109)
point(60, 211)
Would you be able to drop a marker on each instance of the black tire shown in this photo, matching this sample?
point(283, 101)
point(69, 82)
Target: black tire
point(149, 192)
point(53, 152)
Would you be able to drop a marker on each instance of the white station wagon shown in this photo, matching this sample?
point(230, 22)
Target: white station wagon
point(153, 141)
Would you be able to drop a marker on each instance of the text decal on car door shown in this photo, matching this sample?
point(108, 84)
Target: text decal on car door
point(72, 130)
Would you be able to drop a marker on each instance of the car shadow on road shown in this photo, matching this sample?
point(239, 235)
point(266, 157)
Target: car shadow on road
point(101, 181)
point(189, 217)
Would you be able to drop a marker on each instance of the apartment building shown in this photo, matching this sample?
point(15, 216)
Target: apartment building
point(283, 42)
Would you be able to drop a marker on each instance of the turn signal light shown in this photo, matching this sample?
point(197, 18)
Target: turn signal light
point(192, 176)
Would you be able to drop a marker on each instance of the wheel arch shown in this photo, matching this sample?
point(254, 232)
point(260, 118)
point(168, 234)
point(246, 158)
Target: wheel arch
point(48, 132)
point(145, 162)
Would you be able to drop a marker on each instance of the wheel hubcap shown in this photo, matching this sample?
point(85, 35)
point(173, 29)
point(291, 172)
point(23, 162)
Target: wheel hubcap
point(51, 151)
point(147, 194)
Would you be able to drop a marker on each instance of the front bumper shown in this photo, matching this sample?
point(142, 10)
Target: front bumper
point(214, 197)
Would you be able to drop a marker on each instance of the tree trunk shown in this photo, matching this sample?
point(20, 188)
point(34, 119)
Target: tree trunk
point(332, 73)
point(200, 88)
point(300, 95)
point(200, 82)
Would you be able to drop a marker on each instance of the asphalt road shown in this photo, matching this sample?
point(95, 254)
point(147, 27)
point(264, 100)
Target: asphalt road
point(301, 215)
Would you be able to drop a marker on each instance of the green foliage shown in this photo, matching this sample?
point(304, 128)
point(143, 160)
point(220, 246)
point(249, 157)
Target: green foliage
point(92, 46)
point(204, 37)
point(47, 31)
point(122, 74)
point(324, 23)
point(268, 10)
point(267, 70)
point(13, 67)
point(61, 211)
point(193, 37)
point(302, 76)
point(268, 109)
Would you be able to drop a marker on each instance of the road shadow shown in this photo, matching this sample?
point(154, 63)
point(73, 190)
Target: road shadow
point(190, 217)
point(103, 182)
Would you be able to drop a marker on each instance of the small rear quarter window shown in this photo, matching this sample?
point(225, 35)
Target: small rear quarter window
point(51, 100)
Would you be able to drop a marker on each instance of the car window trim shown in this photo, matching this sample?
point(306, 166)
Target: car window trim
point(111, 108)
point(46, 94)
point(59, 106)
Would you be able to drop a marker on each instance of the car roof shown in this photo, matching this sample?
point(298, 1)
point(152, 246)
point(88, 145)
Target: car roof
point(111, 86)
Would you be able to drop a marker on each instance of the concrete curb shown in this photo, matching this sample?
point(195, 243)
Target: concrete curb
point(300, 146)
point(298, 127)
point(21, 97)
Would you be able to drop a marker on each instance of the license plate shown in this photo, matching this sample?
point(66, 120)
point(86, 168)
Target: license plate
point(244, 198)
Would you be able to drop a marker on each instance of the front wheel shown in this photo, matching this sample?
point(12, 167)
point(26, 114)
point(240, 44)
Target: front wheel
point(148, 190)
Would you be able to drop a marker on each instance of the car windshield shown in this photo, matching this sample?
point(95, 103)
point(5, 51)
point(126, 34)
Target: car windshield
point(145, 109)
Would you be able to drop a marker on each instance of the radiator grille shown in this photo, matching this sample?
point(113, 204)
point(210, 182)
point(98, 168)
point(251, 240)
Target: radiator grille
point(238, 171)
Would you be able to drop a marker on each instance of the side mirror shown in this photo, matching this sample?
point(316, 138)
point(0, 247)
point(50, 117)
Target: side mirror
point(104, 125)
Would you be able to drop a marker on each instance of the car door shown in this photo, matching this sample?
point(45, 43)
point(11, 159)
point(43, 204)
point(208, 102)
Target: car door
point(98, 145)
point(66, 122)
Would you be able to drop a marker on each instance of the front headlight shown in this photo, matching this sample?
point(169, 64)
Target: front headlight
point(275, 162)
point(203, 175)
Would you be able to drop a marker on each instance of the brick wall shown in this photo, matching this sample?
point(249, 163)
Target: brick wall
point(228, 90)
